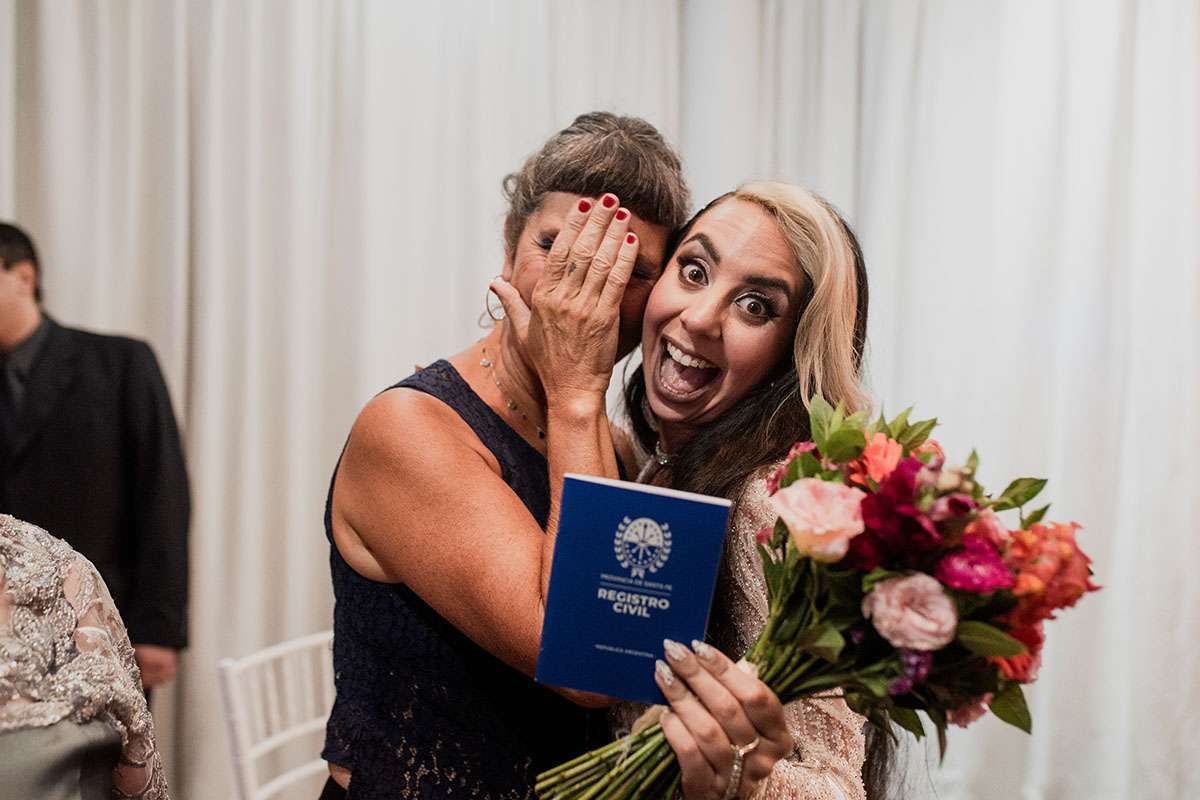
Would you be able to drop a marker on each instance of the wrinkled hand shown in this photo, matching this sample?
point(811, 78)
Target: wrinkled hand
point(716, 704)
point(157, 664)
point(570, 329)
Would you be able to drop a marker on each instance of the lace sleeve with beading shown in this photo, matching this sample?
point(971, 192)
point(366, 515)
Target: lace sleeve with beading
point(830, 746)
point(65, 655)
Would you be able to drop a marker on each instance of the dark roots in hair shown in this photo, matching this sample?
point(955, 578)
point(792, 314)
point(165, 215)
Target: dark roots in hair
point(601, 152)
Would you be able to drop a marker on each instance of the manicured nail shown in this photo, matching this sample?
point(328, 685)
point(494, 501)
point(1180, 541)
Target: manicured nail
point(675, 651)
point(664, 672)
point(609, 200)
point(704, 650)
point(631, 239)
point(585, 206)
point(622, 214)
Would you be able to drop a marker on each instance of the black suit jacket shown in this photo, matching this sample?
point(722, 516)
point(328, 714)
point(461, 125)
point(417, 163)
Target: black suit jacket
point(97, 461)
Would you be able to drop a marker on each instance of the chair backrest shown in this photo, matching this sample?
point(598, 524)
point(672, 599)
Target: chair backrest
point(276, 703)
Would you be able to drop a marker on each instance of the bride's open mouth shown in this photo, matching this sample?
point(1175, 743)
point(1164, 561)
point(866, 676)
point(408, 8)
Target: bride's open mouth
point(683, 376)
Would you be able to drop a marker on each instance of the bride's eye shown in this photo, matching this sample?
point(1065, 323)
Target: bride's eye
point(757, 306)
point(692, 272)
point(546, 242)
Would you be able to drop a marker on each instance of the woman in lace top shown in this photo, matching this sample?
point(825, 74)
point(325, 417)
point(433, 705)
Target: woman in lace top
point(73, 719)
point(762, 304)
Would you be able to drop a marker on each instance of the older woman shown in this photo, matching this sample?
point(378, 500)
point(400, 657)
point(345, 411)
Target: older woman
point(441, 516)
point(762, 304)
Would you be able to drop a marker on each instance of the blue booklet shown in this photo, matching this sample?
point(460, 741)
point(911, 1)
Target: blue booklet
point(633, 565)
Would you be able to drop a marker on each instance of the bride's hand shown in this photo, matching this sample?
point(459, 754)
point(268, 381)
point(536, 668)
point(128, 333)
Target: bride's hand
point(718, 709)
point(570, 329)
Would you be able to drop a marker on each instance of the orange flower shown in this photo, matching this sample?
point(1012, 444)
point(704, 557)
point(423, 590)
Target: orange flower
point(1052, 572)
point(878, 459)
point(1024, 667)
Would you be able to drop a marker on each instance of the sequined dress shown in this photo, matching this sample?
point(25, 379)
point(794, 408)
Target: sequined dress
point(69, 685)
point(421, 710)
point(829, 739)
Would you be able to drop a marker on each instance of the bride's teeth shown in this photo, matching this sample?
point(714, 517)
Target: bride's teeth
point(686, 360)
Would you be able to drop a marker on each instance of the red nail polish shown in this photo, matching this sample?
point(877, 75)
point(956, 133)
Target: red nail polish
point(609, 201)
point(622, 214)
point(585, 206)
point(631, 239)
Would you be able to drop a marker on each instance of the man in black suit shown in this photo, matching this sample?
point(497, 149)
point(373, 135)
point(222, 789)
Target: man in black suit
point(89, 450)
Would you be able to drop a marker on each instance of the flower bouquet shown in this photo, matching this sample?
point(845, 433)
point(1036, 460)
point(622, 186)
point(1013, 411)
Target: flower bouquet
point(893, 583)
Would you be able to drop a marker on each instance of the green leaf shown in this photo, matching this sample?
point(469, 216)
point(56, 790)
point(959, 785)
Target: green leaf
point(987, 640)
point(845, 589)
point(878, 426)
point(844, 444)
point(972, 462)
point(791, 474)
point(916, 433)
point(908, 719)
point(1034, 516)
point(879, 684)
point(876, 575)
point(898, 424)
point(820, 416)
point(810, 465)
point(1009, 705)
point(779, 534)
point(823, 641)
point(856, 420)
point(1018, 493)
point(839, 415)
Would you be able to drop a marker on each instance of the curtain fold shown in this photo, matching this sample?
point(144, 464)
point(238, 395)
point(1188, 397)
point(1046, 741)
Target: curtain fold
point(297, 202)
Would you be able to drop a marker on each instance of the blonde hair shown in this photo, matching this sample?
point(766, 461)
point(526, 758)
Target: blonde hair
point(827, 347)
point(826, 357)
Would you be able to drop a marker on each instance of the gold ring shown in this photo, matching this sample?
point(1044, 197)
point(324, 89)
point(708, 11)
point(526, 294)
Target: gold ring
point(740, 751)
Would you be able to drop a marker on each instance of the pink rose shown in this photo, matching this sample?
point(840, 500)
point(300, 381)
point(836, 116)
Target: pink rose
point(822, 516)
point(929, 446)
point(970, 711)
point(912, 611)
point(990, 528)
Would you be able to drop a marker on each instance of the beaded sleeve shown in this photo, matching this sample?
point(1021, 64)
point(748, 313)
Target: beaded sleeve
point(830, 746)
point(65, 655)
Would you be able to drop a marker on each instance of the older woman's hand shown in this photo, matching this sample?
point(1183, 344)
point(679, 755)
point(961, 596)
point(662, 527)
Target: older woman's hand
point(718, 711)
point(570, 327)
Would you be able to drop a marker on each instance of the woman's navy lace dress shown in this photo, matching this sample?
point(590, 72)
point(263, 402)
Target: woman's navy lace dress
point(421, 710)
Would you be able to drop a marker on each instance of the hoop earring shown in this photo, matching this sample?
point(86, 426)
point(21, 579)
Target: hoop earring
point(496, 312)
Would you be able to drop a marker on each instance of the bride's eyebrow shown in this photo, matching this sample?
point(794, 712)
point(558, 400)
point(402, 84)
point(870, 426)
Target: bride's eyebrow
point(707, 244)
point(770, 283)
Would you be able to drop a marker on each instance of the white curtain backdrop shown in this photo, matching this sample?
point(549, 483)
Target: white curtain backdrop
point(295, 202)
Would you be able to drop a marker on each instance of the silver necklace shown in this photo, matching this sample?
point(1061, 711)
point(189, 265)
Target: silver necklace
point(512, 404)
point(662, 458)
